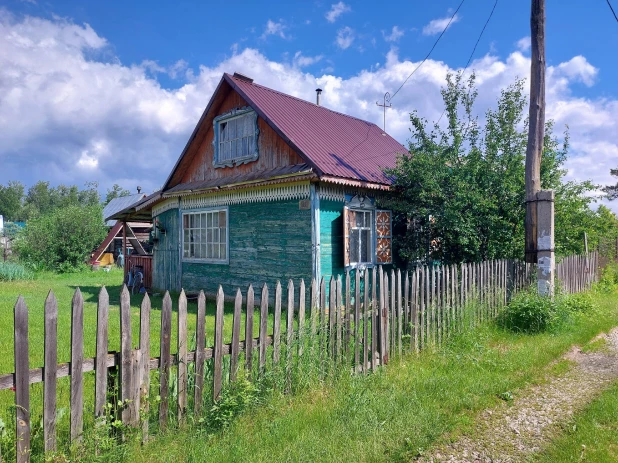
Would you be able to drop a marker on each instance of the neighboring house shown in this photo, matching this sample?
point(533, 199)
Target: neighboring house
point(137, 232)
point(270, 187)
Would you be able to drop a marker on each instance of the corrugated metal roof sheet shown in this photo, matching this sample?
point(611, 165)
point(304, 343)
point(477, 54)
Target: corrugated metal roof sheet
point(255, 176)
point(118, 204)
point(337, 144)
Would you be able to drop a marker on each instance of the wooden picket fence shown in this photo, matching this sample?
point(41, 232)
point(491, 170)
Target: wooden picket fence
point(577, 273)
point(363, 320)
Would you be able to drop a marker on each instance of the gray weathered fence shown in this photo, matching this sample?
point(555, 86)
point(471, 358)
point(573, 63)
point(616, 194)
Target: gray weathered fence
point(363, 320)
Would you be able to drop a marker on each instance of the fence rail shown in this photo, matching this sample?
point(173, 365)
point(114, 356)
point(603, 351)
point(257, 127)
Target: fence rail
point(366, 318)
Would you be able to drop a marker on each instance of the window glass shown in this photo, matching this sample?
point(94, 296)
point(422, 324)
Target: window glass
point(236, 137)
point(360, 237)
point(205, 235)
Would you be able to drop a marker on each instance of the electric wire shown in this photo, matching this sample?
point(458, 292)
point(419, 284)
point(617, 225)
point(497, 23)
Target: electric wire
point(474, 49)
point(430, 51)
point(612, 8)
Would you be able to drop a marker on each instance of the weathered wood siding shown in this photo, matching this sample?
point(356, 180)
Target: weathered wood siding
point(273, 151)
point(166, 253)
point(268, 241)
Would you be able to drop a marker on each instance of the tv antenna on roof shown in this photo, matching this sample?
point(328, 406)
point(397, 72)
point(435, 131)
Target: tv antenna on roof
point(385, 105)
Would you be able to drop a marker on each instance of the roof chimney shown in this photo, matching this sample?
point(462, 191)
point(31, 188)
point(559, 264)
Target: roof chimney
point(139, 189)
point(318, 92)
point(243, 77)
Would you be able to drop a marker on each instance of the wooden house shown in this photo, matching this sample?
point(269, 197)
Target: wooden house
point(270, 187)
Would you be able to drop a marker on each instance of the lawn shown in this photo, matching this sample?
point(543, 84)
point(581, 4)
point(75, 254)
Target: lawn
point(90, 283)
point(394, 415)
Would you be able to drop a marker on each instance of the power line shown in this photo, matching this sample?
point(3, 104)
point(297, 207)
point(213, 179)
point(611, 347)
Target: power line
point(476, 45)
point(612, 8)
point(430, 51)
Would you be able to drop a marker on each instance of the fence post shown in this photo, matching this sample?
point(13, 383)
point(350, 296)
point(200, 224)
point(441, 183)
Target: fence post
point(164, 359)
point(218, 350)
point(22, 381)
point(77, 360)
point(182, 356)
point(51, 363)
point(249, 331)
point(200, 345)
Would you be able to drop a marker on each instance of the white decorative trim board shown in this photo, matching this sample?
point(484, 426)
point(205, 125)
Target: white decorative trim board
point(337, 193)
point(165, 206)
point(299, 190)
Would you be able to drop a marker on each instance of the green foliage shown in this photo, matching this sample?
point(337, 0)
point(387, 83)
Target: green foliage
point(609, 278)
point(10, 200)
point(461, 189)
point(62, 240)
point(115, 191)
point(233, 401)
point(529, 312)
point(612, 190)
point(12, 271)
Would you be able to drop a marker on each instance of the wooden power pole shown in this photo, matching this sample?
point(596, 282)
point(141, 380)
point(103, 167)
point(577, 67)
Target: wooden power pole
point(536, 132)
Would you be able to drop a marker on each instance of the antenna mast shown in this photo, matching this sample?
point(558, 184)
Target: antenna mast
point(385, 105)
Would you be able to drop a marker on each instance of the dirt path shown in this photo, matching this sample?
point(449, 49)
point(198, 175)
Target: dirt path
point(510, 433)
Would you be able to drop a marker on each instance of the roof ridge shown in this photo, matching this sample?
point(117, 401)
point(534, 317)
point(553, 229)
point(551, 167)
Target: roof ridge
point(303, 101)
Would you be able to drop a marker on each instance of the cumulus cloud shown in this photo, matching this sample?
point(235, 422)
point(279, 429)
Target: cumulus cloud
point(523, 44)
point(436, 26)
point(70, 112)
point(274, 28)
point(394, 36)
point(345, 37)
point(336, 10)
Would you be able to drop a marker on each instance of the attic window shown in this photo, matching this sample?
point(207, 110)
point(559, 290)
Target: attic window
point(236, 135)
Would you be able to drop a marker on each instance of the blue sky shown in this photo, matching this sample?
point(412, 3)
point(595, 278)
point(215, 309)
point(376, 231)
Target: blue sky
point(86, 85)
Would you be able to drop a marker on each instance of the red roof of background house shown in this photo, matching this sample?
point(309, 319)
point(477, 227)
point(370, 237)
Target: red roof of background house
point(337, 144)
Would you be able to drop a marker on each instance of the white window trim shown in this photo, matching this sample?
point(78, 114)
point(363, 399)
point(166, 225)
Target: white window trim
point(372, 240)
point(205, 260)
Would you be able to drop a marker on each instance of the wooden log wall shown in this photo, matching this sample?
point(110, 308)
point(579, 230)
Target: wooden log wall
point(366, 319)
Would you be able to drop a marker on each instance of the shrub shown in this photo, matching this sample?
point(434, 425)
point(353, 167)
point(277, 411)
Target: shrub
point(609, 278)
point(62, 240)
point(529, 312)
point(11, 271)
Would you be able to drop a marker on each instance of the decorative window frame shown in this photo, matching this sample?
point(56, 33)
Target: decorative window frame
point(205, 260)
point(361, 203)
point(227, 116)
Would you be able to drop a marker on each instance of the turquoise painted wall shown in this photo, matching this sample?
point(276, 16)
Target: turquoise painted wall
point(166, 263)
point(331, 239)
point(267, 241)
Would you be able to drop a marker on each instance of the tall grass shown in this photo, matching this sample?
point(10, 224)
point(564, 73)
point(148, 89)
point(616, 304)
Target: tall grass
point(12, 271)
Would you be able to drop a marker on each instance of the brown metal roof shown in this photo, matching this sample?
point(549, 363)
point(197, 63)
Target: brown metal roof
point(336, 144)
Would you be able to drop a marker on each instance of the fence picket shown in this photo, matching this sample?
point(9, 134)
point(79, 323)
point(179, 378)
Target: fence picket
point(51, 362)
point(277, 326)
point(235, 348)
point(77, 360)
point(347, 316)
point(200, 354)
point(289, 334)
point(217, 375)
point(182, 356)
point(301, 317)
point(332, 310)
point(249, 331)
point(22, 381)
point(263, 329)
point(165, 359)
point(366, 310)
point(144, 371)
point(357, 320)
point(339, 321)
point(374, 323)
point(100, 388)
point(399, 314)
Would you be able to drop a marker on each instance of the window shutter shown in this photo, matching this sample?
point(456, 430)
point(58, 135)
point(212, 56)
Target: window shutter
point(348, 219)
point(384, 237)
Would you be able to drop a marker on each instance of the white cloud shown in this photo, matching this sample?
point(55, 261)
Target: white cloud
point(523, 44)
point(336, 10)
point(303, 61)
point(274, 28)
point(436, 26)
point(394, 36)
point(345, 37)
point(69, 116)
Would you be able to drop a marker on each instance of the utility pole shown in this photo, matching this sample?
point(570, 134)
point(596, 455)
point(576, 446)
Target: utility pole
point(385, 105)
point(536, 132)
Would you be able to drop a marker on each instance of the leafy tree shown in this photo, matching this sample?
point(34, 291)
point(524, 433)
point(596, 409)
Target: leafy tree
point(461, 194)
point(42, 199)
point(11, 201)
point(612, 190)
point(116, 191)
point(63, 239)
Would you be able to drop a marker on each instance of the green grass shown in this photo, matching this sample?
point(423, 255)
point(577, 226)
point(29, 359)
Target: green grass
point(35, 292)
point(393, 415)
point(592, 436)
